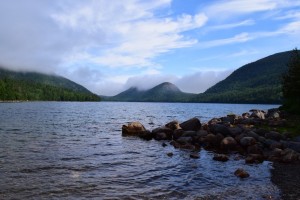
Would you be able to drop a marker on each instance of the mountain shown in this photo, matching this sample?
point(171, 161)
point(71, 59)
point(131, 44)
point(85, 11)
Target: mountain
point(165, 92)
point(37, 86)
point(256, 82)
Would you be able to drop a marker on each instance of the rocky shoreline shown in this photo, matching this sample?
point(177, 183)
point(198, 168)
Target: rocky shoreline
point(255, 137)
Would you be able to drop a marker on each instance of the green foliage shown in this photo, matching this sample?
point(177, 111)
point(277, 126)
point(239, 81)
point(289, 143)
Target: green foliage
point(256, 82)
point(19, 86)
point(291, 84)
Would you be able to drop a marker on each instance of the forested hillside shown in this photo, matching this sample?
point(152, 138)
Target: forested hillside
point(256, 82)
point(16, 86)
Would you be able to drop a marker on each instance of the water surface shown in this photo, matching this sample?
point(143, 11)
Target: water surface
point(75, 150)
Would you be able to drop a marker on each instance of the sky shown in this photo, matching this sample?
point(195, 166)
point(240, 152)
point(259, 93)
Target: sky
point(109, 46)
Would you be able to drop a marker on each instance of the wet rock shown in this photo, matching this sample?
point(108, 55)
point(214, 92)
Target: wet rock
point(254, 149)
point(241, 173)
point(219, 128)
point(189, 134)
point(146, 135)
point(291, 145)
point(252, 134)
point(272, 144)
point(289, 155)
point(191, 125)
point(296, 139)
point(273, 135)
point(184, 140)
point(247, 141)
point(173, 125)
point(235, 131)
point(228, 143)
point(175, 144)
point(254, 158)
point(177, 133)
point(202, 133)
point(164, 144)
point(261, 132)
point(194, 155)
point(161, 136)
point(221, 157)
point(170, 154)
point(162, 133)
point(214, 121)
point(133, 129)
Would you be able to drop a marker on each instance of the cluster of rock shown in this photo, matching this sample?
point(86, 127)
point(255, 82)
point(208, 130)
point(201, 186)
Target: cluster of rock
point(243, 134)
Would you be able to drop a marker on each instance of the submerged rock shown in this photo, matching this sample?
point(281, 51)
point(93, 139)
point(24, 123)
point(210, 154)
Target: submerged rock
point(221, 157)
point(241, 173)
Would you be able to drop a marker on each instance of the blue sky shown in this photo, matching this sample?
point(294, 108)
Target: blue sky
point(109, 46)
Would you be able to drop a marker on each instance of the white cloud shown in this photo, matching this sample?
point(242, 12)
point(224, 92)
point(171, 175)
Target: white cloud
point(242, 37)
point(248, 22)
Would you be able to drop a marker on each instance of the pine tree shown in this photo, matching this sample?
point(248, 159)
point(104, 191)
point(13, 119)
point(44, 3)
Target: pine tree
point(291, 84)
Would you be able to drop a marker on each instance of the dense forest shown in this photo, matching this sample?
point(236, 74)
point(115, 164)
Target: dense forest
point(19, 86)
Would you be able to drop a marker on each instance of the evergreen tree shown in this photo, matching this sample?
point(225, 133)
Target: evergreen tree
point(291, 84)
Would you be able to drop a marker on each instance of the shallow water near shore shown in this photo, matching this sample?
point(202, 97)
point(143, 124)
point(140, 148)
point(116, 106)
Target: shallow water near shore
point(70, 150)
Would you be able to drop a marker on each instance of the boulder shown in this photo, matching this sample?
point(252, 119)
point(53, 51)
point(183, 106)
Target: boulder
point(191, 125)
point(221, 157)
point(194, 155)
point(291, 145)
point(254, 149)
point(228, 143)
point(162, 133)
point(241, 173)
point(173, 125)
point(184, 140)
point(214, 121)
point(133, 129)
point(189, 134)
point(170, 154)
point(253, 134)
point(161, 136)
point(273, 113)
point(235, 131)
point(289, 155)
point(273, 135)
point(257, 114)
point(177, 134)
point(219, 128)
point(146, 135)
point(254, 158)
point(247, 141)
point(245, 115)
point(202, 133)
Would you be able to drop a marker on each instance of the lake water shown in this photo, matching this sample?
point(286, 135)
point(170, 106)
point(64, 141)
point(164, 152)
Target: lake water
point(65, 150)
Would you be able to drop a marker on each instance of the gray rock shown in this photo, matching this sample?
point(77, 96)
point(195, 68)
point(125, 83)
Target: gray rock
point(291, 145)
point(289, 155)
point(235, 131)
point(221, 157)
point(247, 141)
point(219, 128)
point(257, 114)
point(184, 140)
point(162, 133)
point(273, 136)
point(228, 143)
point(191, 125)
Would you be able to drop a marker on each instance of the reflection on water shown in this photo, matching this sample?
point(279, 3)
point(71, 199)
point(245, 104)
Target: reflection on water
point(75, 150)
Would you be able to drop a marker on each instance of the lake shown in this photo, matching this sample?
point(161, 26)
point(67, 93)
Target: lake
point(74, 150)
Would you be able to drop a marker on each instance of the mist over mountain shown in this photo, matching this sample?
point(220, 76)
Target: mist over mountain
point(256, 82)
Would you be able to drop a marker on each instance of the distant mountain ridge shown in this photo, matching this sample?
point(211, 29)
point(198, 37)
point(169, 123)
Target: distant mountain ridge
point(164, 92)
point(37, 86)
point(256, 82)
